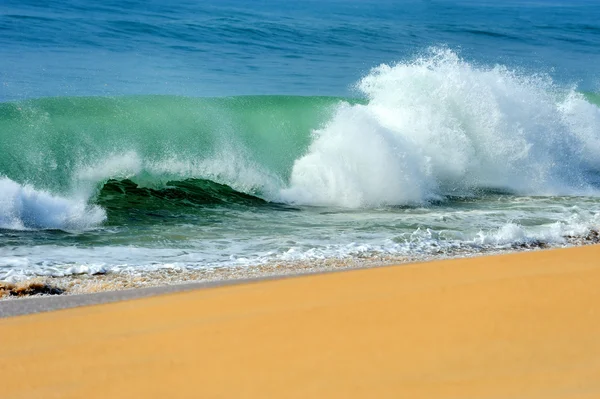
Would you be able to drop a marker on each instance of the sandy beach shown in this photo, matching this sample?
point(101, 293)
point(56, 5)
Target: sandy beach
point(521, 325)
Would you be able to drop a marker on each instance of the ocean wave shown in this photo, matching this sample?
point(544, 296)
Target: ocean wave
point(438, 125)
point(22, 207)
point(428, 129)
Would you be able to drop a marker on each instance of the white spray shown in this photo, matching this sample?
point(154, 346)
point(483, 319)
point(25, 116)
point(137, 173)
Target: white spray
point(438, 125)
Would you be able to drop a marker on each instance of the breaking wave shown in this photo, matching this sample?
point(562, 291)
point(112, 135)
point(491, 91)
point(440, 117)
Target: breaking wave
point(423, 130)
point(438, 125)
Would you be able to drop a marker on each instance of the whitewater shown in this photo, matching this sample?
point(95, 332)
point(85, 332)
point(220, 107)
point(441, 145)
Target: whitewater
point(434, 156)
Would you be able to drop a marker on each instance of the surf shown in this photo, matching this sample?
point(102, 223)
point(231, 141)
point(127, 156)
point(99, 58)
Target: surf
point(420, 131)
point(438, 125)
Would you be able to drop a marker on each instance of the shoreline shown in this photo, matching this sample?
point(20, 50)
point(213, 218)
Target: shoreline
point(513, 325)
point(82, 284)
point(45, 287)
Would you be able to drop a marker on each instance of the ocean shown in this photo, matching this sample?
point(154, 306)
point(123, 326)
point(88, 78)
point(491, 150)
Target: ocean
point(143, 137)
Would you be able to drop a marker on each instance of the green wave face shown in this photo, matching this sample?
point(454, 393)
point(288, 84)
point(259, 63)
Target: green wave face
point(124, 201)
point(62, 144)
point(166, 152)
point(593, 98)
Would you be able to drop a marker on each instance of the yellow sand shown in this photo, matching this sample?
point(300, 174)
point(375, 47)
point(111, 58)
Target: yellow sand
point(513, 326)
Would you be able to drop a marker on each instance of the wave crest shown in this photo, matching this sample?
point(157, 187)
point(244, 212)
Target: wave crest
point(23, 207)
point(438, 125)
point(431, 128)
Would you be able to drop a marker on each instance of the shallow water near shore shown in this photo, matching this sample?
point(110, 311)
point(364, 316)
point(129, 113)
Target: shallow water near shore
point(257, 139)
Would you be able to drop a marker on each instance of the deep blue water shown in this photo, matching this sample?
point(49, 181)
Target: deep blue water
point(308, 47)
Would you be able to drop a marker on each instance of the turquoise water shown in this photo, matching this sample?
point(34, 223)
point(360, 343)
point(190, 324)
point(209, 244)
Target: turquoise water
point(136, 136)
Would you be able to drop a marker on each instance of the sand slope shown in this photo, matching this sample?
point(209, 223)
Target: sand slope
point(512, 326)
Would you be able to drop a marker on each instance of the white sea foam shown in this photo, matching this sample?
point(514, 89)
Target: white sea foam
point(23, 207)
point(23, 262)
point(438, 125)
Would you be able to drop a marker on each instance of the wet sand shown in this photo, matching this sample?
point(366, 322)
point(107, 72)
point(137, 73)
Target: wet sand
point(523, 325)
